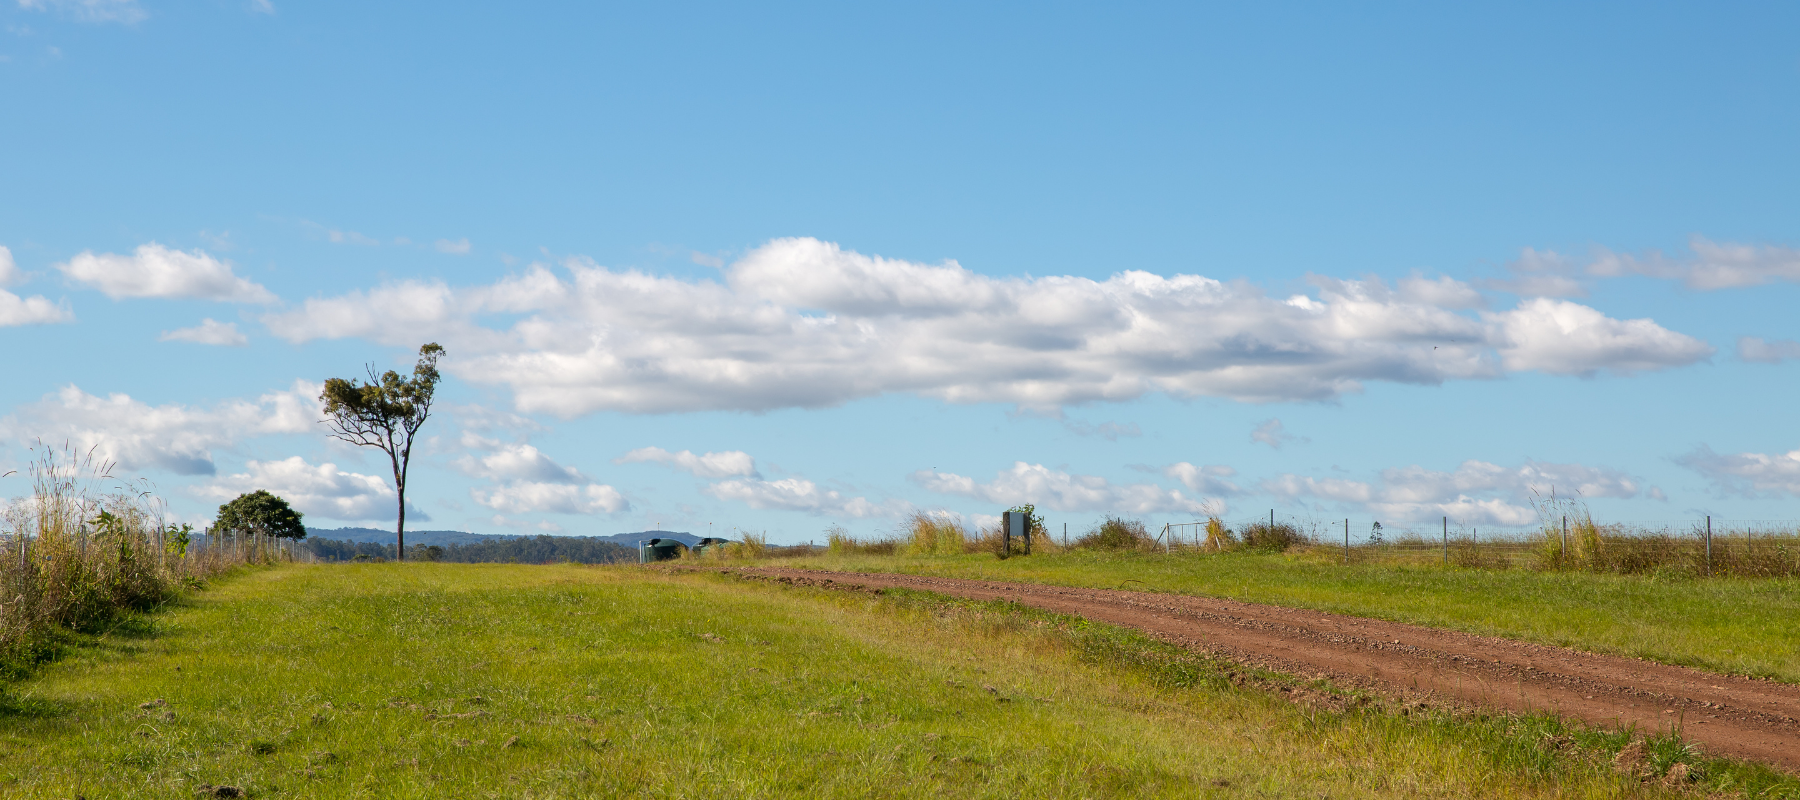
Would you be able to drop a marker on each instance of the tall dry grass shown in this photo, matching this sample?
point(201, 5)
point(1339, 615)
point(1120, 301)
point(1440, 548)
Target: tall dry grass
point(933, 534)
point(84, 547)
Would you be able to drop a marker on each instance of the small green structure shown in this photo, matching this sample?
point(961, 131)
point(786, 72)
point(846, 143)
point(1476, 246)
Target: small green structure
point(653, 550)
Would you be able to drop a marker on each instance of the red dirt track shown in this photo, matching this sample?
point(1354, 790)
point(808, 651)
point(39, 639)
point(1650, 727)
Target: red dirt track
point(1729, 716)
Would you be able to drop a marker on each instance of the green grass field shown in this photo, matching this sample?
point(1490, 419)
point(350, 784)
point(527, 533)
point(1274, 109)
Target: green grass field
point(1739, 626)
point(441, 680)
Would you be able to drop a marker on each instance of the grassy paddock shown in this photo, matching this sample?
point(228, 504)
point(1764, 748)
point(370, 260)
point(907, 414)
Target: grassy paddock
point(440, 680)
point(1739, 626)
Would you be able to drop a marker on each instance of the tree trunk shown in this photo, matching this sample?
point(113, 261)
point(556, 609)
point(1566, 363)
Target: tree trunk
point(400, 526)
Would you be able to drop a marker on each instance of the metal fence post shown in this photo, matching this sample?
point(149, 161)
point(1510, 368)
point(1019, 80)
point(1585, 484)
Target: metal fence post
point(1346, 540)
point(1709, 545)
point(1565, 550)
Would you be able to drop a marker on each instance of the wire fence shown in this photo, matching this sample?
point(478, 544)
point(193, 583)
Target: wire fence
point(1702, 547)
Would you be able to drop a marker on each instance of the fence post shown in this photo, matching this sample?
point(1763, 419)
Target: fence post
point(1446, 541)
point(1346, 540)
point(1708, 545)
point(1065, 536)
point(1565, 550)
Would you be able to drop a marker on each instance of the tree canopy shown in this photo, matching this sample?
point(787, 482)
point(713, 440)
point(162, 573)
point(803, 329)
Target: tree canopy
point(262, 513)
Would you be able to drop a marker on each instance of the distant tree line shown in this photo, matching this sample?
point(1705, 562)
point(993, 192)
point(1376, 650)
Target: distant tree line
point(522, 550)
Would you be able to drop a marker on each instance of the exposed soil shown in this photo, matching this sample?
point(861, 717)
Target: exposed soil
point(1739, 717)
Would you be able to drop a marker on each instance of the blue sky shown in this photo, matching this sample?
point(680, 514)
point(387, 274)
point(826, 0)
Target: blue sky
point(788, 266)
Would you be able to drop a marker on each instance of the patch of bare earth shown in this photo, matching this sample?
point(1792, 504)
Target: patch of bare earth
point(1730, 716)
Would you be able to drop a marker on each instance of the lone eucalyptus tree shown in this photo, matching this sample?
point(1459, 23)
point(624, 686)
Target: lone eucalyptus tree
point(386, 412)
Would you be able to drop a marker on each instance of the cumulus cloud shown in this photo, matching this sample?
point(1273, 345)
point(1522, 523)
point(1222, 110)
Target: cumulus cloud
point(174, 437)
point(122, 11)
point(1748, 474)
point(1767, 351)
point(528, 481)
point(516, 461)
point(34, 310)
point(725, 464)
point(322, 490)
point(1564, 338)
point(804, 323)
point(747, 485)
point(800, 494)
point(157, 271)
point(1476, 492)
point(209, 331)
point(523, 497)
point(1061, 491)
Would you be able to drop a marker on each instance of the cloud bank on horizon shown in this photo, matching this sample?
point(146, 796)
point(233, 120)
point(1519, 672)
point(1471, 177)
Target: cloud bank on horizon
point(803, 323)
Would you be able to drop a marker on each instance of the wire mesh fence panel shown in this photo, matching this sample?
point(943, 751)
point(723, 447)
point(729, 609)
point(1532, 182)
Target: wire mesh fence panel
point(1698, 547)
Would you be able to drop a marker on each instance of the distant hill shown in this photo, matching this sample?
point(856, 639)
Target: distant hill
point(446, 538)
point(373, 536)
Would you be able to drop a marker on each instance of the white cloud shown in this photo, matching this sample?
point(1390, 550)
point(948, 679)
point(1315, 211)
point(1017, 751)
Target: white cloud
point(1327, 488)
point(157, 271)
point(1271, 434)
point(1564, 338)
point(1476, 492)
point(322, 490)
point(34, 310)
point(1541, 274)
point(1207, 480)
point(803, 323)
point(1061, 491)
point(725, 464)
point(459, 247)
point(208, 331)
point(123, 11)
point(516, 461)
point(800, 494)
point(174, 437)
point(1747, 473)
point(1710, 265)
point(526, 497)
point(10, 274)
point(1443, 292)
point(16, 310)
point(1767, 351)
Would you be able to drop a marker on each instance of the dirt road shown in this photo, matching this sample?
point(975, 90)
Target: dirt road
point(1730, 716)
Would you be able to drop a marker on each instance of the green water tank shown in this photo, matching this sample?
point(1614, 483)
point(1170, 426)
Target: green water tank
point(659, 550)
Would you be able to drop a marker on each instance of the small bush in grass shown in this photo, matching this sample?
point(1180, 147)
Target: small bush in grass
point(1117, 533)
point(1275, 538)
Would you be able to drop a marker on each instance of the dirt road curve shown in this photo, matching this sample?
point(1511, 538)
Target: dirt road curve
point(1730, 716)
